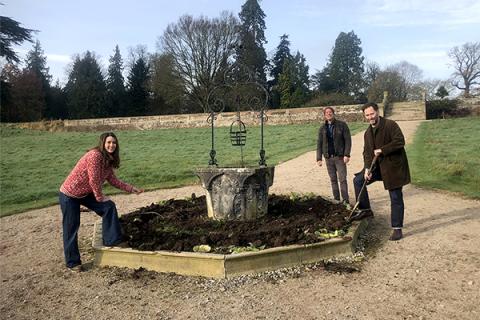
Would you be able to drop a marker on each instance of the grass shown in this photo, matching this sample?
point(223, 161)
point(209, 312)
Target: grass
point(33, 164)
point(444, 155)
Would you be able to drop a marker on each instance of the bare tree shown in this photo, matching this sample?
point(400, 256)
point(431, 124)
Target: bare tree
point(402, 81)
point(411, 75)
point(431, 86)
point(466, 62)
point(200, 48)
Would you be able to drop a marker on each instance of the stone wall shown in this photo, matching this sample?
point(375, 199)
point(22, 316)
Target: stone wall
point(472, 104)
point(349, 113)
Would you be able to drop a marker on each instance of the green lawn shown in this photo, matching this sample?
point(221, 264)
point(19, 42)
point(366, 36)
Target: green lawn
point(444, 155)
point(35, 163)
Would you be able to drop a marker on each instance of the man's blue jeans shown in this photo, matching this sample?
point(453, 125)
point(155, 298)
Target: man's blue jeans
point(396, 197)
point(111, 230)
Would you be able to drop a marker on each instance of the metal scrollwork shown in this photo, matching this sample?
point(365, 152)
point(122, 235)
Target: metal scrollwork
point(239, 90)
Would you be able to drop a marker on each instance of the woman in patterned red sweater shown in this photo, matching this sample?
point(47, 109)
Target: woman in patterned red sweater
point(83, 186)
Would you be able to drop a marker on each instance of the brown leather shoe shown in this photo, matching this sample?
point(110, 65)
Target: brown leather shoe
point(396, 235)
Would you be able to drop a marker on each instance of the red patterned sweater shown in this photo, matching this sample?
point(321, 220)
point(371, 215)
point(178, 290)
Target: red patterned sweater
point(89, 175)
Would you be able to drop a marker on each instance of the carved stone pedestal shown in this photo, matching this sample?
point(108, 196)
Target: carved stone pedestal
point(236, 193)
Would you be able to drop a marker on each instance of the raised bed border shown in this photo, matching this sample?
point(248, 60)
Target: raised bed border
point(225, 265)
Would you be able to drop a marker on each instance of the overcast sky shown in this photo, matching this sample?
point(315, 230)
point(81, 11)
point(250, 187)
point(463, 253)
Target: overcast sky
point(420, 32)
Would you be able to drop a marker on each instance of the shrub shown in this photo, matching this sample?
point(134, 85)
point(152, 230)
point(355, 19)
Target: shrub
point(445, 108)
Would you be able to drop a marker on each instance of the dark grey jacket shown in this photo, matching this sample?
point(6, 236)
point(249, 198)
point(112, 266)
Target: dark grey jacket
point(342, 141)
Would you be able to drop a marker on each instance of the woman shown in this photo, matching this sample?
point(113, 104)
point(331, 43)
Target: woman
point(83, 186)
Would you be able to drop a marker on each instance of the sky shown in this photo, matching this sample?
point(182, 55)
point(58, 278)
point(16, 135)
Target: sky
point(420, 32)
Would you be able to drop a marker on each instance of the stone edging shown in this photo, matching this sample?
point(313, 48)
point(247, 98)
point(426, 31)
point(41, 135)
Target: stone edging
point(225, 266)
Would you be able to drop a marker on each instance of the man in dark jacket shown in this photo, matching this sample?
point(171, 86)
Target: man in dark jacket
point(384, 139)
point(334, 143)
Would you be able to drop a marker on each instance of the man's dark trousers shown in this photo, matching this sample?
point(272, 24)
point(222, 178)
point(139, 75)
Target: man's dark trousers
point(396, 197)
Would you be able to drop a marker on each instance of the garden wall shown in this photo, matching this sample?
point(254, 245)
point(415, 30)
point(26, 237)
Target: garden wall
point(349, 113)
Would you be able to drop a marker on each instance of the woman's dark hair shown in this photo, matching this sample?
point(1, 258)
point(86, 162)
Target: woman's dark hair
point(370, 104)
point(109, 159)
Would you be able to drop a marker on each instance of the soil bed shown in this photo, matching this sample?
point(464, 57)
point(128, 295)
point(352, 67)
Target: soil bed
point(183, 225)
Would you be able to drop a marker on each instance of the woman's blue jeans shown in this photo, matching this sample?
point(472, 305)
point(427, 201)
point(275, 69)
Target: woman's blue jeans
point(111, 231)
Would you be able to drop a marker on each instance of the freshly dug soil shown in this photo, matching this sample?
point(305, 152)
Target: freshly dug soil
point(180, 225)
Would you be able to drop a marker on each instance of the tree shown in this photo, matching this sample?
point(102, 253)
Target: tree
point(466, 62)
point(402, 81)
point(138, 84)
point(8, 75)
point(85, 89)
point(431, 86)
point(390, 81)
point(372, 69)
point(282, 54)
point(28, 96)
point(293, 84)
point(412, 77)
point(11, 33)
point(115, 85)
point(441, 92)
point(199, 47)
point(286, 85)
point(58, 102)
point(344, 70)
point(251, 52)
point(322, 81)
point(167, 88)
point(302, 80)
point(36, 62)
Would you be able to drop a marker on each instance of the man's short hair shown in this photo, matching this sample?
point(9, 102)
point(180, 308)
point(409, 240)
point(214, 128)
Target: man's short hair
point(370, 104)
point(326, 108)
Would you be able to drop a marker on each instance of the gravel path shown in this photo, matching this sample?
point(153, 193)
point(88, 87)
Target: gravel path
point(433, 273)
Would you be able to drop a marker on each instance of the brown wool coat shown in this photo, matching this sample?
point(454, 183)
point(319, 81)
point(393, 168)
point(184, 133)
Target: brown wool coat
point(393, 161)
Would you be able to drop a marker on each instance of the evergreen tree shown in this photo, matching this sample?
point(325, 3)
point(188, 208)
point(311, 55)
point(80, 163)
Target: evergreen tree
point(286, 84)
point(344, 70)
point(11, 33)
point(28, 96)
point(9, 73)
point(322, 81)
point(115, 85)
point(442, 92)
point(86, 89)
point(293, 85)
point(138, 86)
point(36, 63)
point(58, 102)
point(281, 55)
point(302, 80)
point(251, 52)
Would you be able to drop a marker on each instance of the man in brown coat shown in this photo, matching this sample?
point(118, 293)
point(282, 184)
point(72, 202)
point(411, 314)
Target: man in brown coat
point(384, 139)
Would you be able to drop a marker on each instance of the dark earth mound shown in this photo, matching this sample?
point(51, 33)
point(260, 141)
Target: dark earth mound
point(180, 225)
